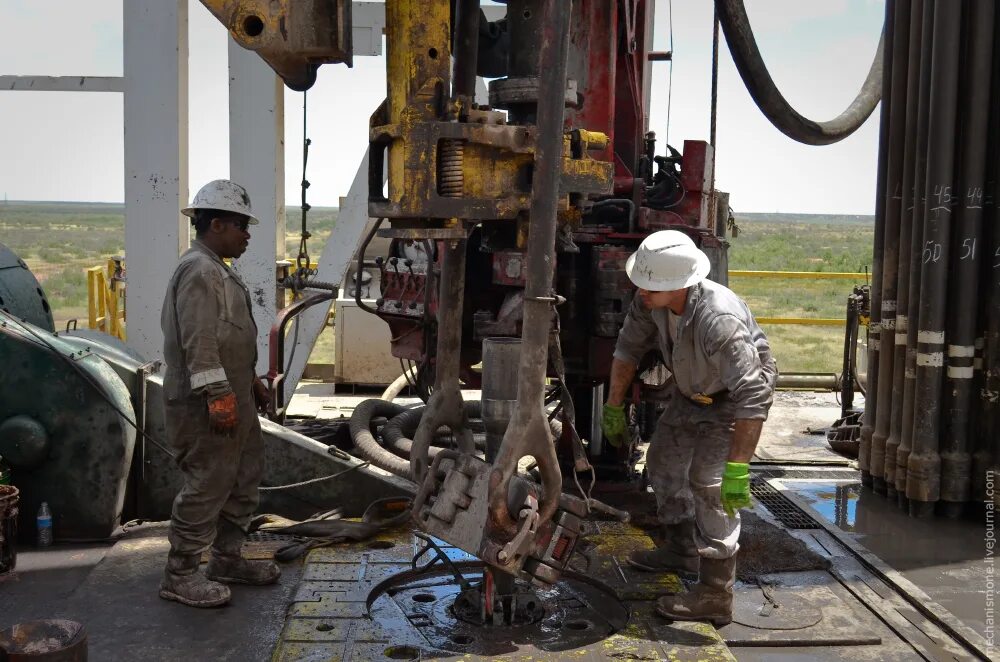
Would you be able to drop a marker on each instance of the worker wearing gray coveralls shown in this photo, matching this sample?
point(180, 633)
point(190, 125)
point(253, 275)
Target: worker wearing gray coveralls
point(722, 388)
point(212, 399)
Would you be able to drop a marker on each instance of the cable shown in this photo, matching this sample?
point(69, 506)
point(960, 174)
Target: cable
point(670, 75)
point(272, 488)
point(715, 81)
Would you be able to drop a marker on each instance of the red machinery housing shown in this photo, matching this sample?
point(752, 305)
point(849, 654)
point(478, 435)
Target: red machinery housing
point(610, 62)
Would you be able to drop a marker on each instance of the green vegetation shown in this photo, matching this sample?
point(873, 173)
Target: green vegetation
point(801, 243)
point(60, 240)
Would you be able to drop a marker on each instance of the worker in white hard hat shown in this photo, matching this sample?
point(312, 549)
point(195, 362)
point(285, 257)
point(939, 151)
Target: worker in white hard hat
point(212, 399)
point(722, 388)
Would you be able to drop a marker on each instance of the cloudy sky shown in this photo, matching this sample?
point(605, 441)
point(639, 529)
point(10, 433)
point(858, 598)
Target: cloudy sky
point(69, 146)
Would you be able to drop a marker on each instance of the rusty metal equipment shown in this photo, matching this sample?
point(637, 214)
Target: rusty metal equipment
point(9, 499)
point(51, 640)
point(293, 36)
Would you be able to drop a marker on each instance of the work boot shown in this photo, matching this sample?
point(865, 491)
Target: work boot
point(183, 583)
point(711, 599)
point(227, 564)
point(678, 554)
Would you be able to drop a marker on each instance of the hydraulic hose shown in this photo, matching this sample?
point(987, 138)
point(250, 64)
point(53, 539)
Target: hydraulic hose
point(746, 55)
point(364, 438)
point(398, 431)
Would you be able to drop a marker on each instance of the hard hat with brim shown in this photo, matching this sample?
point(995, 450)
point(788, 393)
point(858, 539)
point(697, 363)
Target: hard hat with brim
point(666, 261)
point(222, 195)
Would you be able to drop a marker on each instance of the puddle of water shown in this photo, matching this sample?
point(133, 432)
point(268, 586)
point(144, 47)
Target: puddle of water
point(944, 557)
point(837, 502)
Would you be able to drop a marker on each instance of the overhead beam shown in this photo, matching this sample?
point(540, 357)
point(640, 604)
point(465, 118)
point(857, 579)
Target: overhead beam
point(62, 83)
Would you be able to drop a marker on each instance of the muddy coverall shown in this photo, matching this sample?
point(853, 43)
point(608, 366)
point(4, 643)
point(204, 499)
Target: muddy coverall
point(716, 349)
point(210, 349)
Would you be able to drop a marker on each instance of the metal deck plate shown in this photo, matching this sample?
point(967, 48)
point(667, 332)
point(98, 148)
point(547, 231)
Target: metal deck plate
point(329, 618)
point(814, 610)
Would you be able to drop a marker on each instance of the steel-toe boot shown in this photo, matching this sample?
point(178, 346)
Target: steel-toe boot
point(227, 564)
point(183, 583)
point(678, 554)
point(711, 599)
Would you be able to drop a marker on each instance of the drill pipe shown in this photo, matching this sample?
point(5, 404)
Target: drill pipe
point(890, 249)
point(912, 65)
point(918, 194)
point(988, 376)
point(923, 469)
point(874, 333)
point(956, 459)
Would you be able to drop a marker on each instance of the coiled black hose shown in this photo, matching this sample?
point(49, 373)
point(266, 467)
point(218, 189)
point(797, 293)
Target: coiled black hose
point(758, 81)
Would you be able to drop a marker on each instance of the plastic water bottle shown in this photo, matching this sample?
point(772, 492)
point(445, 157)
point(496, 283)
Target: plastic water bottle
point(44, 521)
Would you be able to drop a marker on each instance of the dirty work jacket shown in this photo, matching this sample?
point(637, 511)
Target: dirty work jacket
point(209, 335)
point(718, 348)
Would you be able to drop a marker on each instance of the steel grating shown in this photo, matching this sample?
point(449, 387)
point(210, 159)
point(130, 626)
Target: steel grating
point(807, 474)
point(781, 506)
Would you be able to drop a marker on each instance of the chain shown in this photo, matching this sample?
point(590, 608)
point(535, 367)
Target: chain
point(302, 261)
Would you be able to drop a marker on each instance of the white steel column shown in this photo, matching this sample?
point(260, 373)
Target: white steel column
point(156, 159)
point(257, 161)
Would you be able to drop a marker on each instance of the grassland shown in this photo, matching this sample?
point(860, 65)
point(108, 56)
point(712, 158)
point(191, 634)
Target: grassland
point(801, 243)
point(60, 240)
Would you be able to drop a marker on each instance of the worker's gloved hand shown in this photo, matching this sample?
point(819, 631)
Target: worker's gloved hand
point(735, 487)
point(613, 424)
point(261, 395)
point(222, 414)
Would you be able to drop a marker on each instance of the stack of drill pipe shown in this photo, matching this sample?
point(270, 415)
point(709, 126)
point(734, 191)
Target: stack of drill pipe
point(890, 251)
point(867, 427)
point(986, 453)
point(935, 412)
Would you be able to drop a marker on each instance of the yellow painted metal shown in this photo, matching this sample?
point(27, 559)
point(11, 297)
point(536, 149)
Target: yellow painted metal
point(801, 275)
point(418, 63)
point(802, 321)
point(106, 298)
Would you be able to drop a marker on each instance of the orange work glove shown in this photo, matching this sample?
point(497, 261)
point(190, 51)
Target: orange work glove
point(222, 414)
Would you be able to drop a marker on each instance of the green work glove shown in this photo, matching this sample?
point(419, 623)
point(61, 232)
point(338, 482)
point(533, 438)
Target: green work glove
point(735, 487)
point(613, 424)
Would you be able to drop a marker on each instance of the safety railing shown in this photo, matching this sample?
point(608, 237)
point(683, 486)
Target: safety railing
point(802, 275)
point(106, 298)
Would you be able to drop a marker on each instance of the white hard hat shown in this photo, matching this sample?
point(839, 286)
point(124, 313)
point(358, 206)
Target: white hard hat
point(667, 260)
point(222, 195)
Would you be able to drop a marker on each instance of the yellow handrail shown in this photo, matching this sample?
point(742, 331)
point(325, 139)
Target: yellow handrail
point(106, 298)
point(810, 275)
point(802, 275)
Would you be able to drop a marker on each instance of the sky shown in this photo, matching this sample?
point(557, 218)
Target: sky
point(69, 146)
